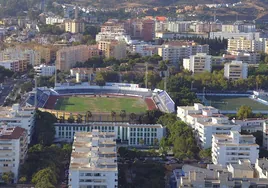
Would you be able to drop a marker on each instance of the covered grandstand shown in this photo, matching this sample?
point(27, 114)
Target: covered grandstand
point(46, 98)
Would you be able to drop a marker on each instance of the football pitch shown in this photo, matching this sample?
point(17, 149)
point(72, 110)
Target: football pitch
point(233, 103)
point(101, 104)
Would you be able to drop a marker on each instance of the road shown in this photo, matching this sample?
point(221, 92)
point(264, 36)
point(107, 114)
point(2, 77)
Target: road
point(5, 90)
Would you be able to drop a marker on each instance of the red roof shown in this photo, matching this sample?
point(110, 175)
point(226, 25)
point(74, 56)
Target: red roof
point(15, 134)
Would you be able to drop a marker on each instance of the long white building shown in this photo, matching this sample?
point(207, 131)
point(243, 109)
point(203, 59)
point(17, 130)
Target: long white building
point(198, 63)
point(237, 35)
point(13, 149)
point(19, 117)
point(176, 53)
point(228, 149)
point(93, 161)
point(45, 70)
point(131, 134)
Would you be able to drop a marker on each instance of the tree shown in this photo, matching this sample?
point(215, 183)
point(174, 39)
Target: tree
point(133, 117)
point(8, 177)
point(153, 78)
point(88, 116)
point(156, 142)
point(23, 180)
point(244, 112)
point(44, 128)
point(99, 79)
point(79, 118)
point(113, 114)
point(141, 141)
point(164, 147)
point(70, 119)
point(46, 175)
point(123, 114)
point(205, 153)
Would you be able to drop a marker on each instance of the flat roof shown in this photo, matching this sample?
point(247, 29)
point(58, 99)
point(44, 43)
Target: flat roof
point(115, 124)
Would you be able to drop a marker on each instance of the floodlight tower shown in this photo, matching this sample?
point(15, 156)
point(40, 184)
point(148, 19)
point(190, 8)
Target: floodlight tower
point(146, 75)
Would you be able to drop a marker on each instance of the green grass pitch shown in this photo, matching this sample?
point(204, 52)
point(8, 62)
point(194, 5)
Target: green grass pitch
point(101, 104)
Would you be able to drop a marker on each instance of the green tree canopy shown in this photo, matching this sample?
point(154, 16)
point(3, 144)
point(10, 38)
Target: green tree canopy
point(244, 112)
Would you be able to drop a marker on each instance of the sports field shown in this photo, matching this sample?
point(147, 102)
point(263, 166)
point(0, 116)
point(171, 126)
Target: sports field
point(233, 103)
point(101, 104)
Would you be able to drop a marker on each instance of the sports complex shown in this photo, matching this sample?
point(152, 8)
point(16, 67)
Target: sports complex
point(80, 98)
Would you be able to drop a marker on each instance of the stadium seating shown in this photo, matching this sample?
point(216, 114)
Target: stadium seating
point(167, 101)
point(42, 97)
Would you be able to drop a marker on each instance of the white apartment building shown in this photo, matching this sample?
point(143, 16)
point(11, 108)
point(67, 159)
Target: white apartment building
point(239, 27)
point(265, 135)
point(23, 117)
point(176, 53)
point(228, 35)
point(13, 149)
point(198, 63)
point(45, 70)
point(247, 45)
point(228, 149)
point(145, 49)
point(54, 20)
point(185, 113)
point(261, 167)
point(236, 70)
point(93, 161)
point(204, 130)
point(130, 134)
point(161, 26)
point(179, 26)
point(251, 125)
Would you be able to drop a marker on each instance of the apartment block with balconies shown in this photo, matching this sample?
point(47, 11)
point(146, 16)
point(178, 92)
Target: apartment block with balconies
point(236, 70)
point(198, 63)
point(229, 149)
point(93, 160)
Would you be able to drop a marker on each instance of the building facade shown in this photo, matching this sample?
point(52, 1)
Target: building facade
point(67, 57)
point(236, 70)
point(74, 26)
point(131, 134)
point(23, 117)
point(15, 65)
point(93, 161)
point(112, 48)
point(45, 70)
point(229, 149)
point(198, 63)
point(13, 150)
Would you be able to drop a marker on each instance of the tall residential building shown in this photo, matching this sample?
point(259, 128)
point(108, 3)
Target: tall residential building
point(23, 117)
point(175, 53)
point(198, 63)
point(179, 26)
point(31, 56)
point(243, 44)
point(67, 57)
point(229, 149)
point(74, 26)
point(93, 161)
point(127, 133)
point(236, 70)
point(148, 33)
point(112, 48)
point(13, 150)
point(15, 65)
point(45, 53)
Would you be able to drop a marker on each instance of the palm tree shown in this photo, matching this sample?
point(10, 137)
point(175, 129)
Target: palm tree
point(132, 117)
point(123, 114)
point(88, 116)
point(113, 114)
point(79, 118)
point(71, 119)
point(141, 141)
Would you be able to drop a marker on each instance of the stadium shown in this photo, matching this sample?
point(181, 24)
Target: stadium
point(79, 98)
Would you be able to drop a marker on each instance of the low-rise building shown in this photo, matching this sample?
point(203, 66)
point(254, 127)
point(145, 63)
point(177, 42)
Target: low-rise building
point(198, 63)
point(23, 117)
point(236, 70)
point(131, 134)
point(93, 160)
point(261, 167)
point(251, 125)
point(52, 20)
point(228, 149)
point(237, 35)
point(45, 70)
point(13, 150)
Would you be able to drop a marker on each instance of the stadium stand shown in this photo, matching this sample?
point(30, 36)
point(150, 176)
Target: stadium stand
point(42, 97)
point(165, 100)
